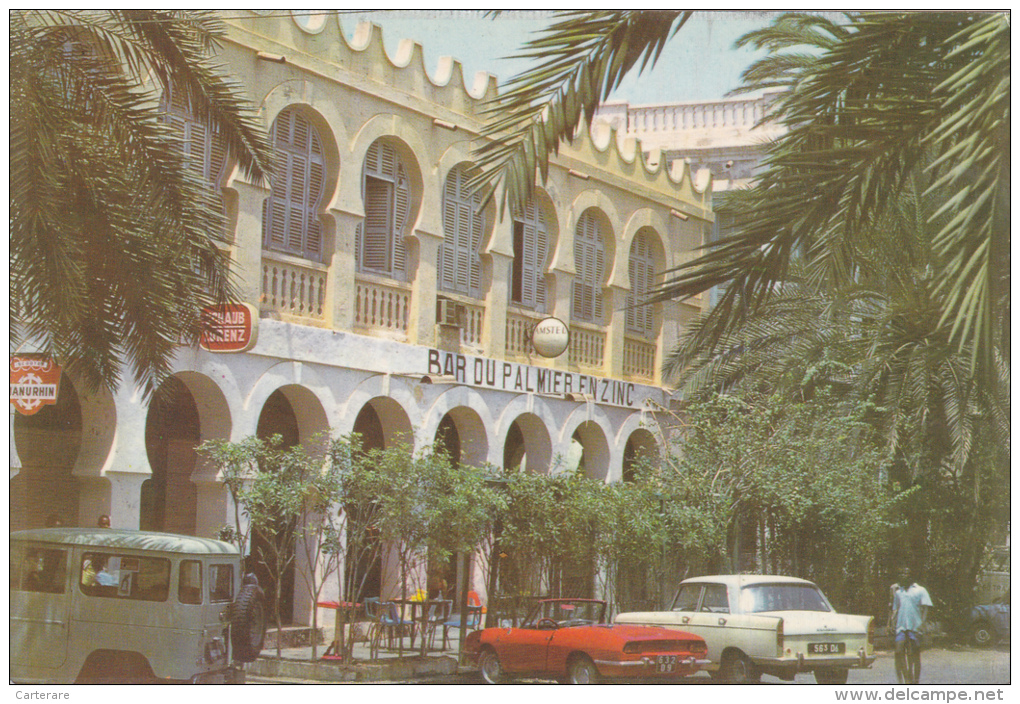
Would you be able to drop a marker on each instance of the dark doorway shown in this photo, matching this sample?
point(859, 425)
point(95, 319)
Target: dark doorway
point(172, 432)
point(48, 443)
point(364, 563)
point(277, 418)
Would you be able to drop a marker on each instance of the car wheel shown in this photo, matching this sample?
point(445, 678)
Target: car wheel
point(248, 621)
point(738, 669)
point(832, 675)
point(581, 670)
point(490, 667)
point(982, 634)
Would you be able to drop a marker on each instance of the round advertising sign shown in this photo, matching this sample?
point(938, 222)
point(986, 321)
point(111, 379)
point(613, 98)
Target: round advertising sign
point(550, 337)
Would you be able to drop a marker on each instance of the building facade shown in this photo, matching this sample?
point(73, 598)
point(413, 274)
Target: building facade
point(387, 303)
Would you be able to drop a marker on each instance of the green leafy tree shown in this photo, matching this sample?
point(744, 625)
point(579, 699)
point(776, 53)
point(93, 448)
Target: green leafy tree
point(112, 256)
point(277, 491)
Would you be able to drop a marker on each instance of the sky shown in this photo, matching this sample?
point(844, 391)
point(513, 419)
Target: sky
point(700, 63)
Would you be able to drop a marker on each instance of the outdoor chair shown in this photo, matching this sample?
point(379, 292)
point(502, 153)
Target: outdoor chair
point(438, 614)
point(473, 621)
point(385, 622)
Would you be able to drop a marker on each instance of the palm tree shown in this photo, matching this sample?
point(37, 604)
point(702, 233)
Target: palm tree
point(112, 256)
point(873, 96)
point(581, 60)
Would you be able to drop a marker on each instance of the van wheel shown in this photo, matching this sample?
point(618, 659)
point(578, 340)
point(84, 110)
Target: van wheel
point(115, 667)
point(248, 621)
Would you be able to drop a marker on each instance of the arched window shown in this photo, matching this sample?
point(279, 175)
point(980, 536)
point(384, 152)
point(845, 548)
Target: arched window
point(387, 195)
point(290, 215)
point(460, 267)
point(204, 148)
point(531, 244)
point(641, 267)
point(590, 267)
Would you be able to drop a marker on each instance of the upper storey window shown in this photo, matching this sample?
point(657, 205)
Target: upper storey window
point(290, 216)
point(460, 267)
point(204, 149)
point(387, 193)
point(641, 268)
point(590, 268)
point(531, 244)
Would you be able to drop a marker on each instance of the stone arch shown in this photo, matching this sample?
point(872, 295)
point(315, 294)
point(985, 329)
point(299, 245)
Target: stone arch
point(406, 138)
point(644, 219)
point(397, 409)
point(592, 429)
point(321, 111)
point(535, 421)
point(310, 397)
point(471, 415)
point(638, 430)
point(564, 253)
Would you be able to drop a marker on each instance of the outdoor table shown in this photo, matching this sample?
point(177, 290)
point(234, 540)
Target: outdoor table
point(422, 607)
point(336, 647)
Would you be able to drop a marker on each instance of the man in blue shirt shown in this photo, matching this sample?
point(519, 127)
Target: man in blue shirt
point(909, 613)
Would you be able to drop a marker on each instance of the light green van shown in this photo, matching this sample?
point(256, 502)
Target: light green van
point(101, 605)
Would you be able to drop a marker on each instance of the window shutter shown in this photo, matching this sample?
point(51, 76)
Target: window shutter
point(589, 264)
point(541, 249)
point(375, 254)
point(535, 246)
point(291, 217)
point(446, 257)
point(387, 193)
point(401, 214)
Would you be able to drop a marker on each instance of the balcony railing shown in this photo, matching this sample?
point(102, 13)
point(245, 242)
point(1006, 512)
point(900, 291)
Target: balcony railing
point(295, 289)
point(471, 333)
point(518, 334)
point(381, 306)
point(638, 359)
point(587, 348)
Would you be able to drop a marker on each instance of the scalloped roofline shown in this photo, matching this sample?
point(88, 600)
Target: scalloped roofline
point(368, 38)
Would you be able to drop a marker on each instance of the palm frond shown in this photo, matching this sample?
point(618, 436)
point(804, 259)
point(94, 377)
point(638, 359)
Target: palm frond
point(581, 60)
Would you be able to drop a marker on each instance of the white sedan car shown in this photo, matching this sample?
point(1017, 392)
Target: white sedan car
point(757, 624)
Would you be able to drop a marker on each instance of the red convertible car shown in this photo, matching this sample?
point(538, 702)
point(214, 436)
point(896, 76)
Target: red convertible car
point(568, 639)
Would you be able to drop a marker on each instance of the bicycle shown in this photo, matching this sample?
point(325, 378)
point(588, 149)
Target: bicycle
point(908, 658)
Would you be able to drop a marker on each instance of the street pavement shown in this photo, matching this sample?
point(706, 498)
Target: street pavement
point(939, 666)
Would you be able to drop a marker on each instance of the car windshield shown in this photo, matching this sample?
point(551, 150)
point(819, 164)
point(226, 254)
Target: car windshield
point(782, 597)
point(566, 612)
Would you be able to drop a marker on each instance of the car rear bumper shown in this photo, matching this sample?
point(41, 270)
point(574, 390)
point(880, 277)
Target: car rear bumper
point(801, 663)
point(646, 667)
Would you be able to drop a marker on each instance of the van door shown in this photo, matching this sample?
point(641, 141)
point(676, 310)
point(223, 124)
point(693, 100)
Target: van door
point(40, 606)
point(222, 583)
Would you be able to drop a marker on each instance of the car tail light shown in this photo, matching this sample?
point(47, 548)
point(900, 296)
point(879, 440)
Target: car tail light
point(697, 647)
point(779, 637)
point(632, 647)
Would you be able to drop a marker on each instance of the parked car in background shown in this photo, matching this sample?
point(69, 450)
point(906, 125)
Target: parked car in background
point(569, 640)
point(117, 606)
point(755, 624)
point(989, 623)
point(993, 578)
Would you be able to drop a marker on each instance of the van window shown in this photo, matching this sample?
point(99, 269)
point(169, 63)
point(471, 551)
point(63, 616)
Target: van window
point(221, 583)
point(40, 570)
point(189, 586)
point(116, 576)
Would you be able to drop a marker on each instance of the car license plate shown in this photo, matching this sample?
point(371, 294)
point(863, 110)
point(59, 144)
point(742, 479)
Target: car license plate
point(826, 648)
point(665, 663)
